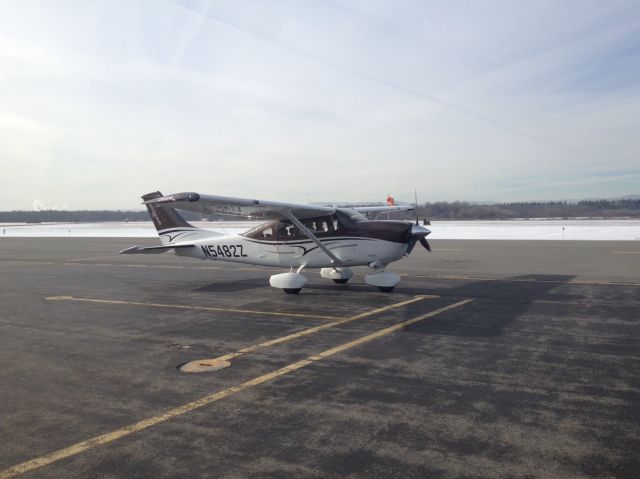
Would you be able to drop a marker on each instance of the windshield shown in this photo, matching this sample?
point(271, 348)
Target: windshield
point(352, 214)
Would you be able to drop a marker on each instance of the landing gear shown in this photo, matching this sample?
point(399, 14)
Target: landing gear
point(385, 281)
point(338, 275)
point(290, 283)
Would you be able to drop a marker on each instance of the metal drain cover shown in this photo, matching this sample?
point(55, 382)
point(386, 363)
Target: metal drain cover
point(204, 365)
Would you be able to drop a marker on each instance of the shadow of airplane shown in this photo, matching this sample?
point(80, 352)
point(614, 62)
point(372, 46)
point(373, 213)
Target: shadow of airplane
point(497, 302)
point(234, 286)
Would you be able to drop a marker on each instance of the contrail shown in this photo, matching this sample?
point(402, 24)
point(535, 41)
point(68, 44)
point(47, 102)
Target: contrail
point(342, 67)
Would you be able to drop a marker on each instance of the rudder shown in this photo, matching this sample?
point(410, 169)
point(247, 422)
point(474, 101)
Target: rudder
point(166, 219)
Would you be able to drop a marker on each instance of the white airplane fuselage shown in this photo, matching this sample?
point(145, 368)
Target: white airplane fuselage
point(351, 251)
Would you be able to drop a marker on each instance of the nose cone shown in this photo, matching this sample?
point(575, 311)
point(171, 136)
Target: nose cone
point(419, 231)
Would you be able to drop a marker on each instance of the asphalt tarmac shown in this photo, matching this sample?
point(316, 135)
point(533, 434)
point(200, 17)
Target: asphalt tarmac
point(490, 359)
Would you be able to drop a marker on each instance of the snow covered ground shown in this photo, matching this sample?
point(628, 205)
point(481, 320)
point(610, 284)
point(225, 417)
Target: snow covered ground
point(136, 229)
point(612, 230)
point(621, 230)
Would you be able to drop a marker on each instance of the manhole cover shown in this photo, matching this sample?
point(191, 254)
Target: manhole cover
point(204, 365)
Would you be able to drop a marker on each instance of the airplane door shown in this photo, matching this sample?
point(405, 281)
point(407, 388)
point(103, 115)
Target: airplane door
point(286, 232)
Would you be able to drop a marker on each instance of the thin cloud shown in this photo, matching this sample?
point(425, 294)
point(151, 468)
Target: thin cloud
point(297, 100)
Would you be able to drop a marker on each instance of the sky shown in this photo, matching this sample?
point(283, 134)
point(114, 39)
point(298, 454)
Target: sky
point(103, 101)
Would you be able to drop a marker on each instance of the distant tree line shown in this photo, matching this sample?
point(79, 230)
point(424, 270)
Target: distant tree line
point(82, 216)
point(457, 210)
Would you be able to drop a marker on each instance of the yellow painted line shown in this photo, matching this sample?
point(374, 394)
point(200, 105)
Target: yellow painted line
point(524, 280)
point(198, 308)
point(307, 332)
point(211, 398)
point(625, 252)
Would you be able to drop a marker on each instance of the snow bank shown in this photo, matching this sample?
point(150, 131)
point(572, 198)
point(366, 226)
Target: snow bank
point(601, 230)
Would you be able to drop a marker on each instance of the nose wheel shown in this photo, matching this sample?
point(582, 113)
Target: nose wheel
point(338, 275)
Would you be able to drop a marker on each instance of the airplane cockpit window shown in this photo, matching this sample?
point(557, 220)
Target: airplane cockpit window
point(320, 226)
point(284, 230)
point(311, 225)
point(352, 214)
point(287, 231)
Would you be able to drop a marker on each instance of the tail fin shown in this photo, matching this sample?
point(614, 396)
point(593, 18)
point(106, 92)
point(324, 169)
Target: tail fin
point(170, 225)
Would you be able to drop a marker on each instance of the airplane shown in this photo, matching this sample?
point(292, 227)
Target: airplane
point(292, 236)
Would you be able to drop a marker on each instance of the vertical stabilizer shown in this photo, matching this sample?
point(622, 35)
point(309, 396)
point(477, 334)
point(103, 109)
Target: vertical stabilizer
point(170, 225)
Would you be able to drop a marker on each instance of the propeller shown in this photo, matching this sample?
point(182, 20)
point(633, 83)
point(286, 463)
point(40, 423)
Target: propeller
point(418, 233)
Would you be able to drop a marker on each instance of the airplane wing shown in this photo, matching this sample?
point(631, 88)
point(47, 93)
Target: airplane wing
point(382, 209)
point(251, 208)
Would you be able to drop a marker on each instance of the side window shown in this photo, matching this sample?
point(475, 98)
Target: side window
point(324, 226)
point(263, 231)
point(286, 231)
point(267, 233)
point(310, 224)
point(320, 226)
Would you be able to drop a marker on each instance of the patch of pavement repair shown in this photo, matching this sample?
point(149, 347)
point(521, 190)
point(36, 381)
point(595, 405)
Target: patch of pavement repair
point(204, 365)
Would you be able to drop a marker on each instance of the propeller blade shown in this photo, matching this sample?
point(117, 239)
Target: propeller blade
point(417, 233)
point(425, 243)
point(415, 194)
point(412, 243)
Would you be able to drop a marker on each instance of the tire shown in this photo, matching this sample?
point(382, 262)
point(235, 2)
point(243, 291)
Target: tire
point(292, 290)
point(385, 289)
point(341, 281)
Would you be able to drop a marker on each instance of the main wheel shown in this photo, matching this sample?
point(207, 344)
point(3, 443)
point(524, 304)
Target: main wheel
point(341, 281)
point(293, 290)
point(385, 289)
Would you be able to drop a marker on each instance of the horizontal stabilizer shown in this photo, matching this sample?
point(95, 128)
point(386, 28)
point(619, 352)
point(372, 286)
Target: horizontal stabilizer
point(153, 249)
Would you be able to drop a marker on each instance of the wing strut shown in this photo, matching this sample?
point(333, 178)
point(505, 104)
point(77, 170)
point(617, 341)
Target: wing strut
point(334, 259)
